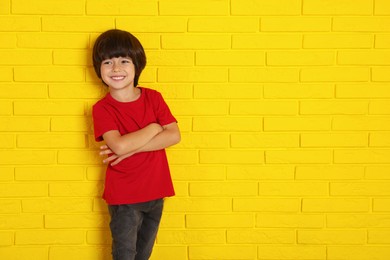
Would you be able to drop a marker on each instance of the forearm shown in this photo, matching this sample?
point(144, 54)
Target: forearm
point(128, 143)
point(163, 140)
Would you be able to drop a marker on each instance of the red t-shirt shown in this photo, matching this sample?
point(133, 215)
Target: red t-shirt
point(143, 176)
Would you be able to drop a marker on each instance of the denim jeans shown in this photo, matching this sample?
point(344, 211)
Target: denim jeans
point(134, 228)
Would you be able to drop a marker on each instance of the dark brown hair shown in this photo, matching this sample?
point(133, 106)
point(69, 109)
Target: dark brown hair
point(117, 43)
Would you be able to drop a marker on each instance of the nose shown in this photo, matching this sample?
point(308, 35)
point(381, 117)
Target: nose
point(116, 67)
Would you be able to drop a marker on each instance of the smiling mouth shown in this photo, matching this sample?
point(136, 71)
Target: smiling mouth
point(118, 77)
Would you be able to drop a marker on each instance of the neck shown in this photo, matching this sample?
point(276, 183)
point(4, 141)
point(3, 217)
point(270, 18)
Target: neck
point(125, 95)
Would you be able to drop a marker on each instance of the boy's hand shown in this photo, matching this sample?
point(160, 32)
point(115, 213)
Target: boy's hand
point(111, 157)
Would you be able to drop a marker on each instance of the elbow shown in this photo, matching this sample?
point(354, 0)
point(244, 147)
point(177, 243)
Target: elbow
point(176, 138)
point(118, 149)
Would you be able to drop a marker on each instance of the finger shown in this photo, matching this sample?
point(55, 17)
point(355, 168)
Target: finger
point(116, 161)
point(109, 159)
point(105, 152)
point(103, 147)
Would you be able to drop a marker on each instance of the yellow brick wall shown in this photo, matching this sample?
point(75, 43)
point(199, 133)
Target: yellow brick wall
point(284, 107)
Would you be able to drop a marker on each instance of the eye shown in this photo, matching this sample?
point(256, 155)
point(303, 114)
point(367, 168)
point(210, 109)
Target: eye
point(126, 61)
point(106, 62)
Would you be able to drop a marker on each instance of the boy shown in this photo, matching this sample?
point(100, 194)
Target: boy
point(136, 125)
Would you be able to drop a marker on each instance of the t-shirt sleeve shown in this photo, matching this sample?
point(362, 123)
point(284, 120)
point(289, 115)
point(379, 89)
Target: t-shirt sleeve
point(163, 113)
point(102, 122)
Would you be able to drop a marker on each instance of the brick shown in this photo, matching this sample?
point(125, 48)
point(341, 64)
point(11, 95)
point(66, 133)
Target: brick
point(290, 221)
point(6, 108)
point(219, 221)
point(52, 40)
point(23, 90)
point(7, 40)
point(63, 7)
point(298, 91)
point(76, 23)
point(153, 24)
point(249, 75)
point(382, 41)
point(295, 24)
point(358, 221)
point(222, 252)
point(99, 237)
point(176, 221)
point(361, 123)
point(227, 91)
point(9, 141)
point(77, 189)
point(96, 173)
point(21, 221)
point(203, 141)
point(6, 74)
point(223, 189)
point(297, 188)
point(266, 41)
point(296, 123)
point(264, 140)
point(57, 205)
point(72, 57)
point(174, 90)
point(195, 41)
point(192, 74)
point(362, 156)
point(26, 57)
point(263, 7)
point(360, 188)
point(6, 239)
point(201, 108)
point(334, 140)
point(369, 90)
point(334, 107)
point(382, 7)
point(7, 174)
point(169, 252)
point(378, 236)
point(230, 58)
point(33, 157)
point(381, 205)
point(332, 237)
point(79, 157)
point(335, 205)
point(70, 124)
point(361, 24)
point(180, 157)
point(23, 189)
point(329, 172)
point(377, 172)
point(198, 172)
point(22, 124)
point(20, 23)
point(379, 140)
point(338, 7)
point(292, 252)
point(335, 74)
point(226, 124)
point(300, 58)
point(359, 252)
point(263, 236)
point(380, 74)
point(376, 57)
point(46, 107)
point(76, 91)
point(198, 205)
point(149, 75)
point(10, 206)
point(49, 237)
point(279, 172)
point(5, 7)
point(202, 7)
point(170, 58)
point(379, 107)
point(122, 7)
point(266, 205)
point(49, 74)
point(76, 221)
point(16, 253)
point(231, 156)
point(223, 24)
point(191, 237)
point(50, 173)
point(338, 41)
point(263, 107)
point(79, 252)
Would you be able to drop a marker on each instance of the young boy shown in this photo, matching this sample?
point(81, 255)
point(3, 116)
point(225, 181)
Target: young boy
point(136, 125)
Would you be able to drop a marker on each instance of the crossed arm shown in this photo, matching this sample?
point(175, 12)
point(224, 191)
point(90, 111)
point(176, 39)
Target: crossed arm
point(153, 137)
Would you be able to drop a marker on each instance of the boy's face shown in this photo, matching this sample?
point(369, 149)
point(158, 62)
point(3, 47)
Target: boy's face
point(118, 73)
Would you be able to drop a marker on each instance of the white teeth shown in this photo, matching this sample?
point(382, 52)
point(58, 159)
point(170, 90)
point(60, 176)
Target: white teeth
point(118, 77)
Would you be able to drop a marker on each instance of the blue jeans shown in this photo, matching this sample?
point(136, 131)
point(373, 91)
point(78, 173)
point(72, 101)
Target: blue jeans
point(134, 228)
